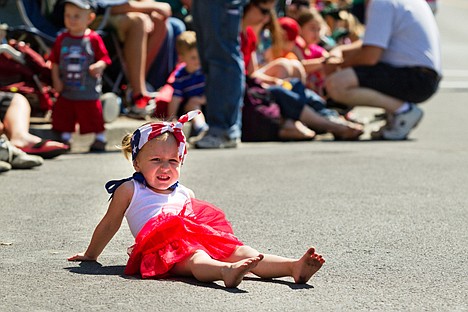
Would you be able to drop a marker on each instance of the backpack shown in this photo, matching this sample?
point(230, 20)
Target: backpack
point(261, 117)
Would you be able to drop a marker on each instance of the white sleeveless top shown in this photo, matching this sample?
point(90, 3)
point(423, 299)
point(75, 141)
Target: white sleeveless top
point(146, 204)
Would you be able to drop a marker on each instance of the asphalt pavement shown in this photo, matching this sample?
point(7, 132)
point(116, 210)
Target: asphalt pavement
point(390, 218)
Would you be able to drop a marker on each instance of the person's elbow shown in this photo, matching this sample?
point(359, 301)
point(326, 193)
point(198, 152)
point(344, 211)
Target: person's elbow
point(370, 55)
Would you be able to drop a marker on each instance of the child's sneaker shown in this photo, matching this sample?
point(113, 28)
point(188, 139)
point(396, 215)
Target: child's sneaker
point(98, 147)
point(4, 166)
point(398, 126)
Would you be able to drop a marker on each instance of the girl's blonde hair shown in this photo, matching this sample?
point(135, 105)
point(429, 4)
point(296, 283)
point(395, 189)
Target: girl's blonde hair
point(276, 35)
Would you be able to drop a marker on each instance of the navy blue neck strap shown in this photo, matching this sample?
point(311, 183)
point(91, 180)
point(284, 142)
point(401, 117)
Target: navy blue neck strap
point(113, 185)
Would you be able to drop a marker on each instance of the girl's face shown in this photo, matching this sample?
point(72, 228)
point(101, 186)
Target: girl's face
point(77, 20)
point(159, 163)
point(310, 32)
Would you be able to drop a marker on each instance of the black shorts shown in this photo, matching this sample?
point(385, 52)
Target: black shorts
point(411, 84)
point(5, 100)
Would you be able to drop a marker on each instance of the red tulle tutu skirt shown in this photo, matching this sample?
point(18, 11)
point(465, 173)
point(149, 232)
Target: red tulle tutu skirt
point(169, 238)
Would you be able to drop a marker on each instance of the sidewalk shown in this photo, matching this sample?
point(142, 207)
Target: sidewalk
point(114, 132)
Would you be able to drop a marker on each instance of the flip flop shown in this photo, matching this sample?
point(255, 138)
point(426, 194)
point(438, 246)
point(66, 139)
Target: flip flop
point(47, 149)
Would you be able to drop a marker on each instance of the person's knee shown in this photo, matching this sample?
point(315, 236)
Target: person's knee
point(198, 256)
point(137, 21)
point(19, 101)
point(246, 251)
point(159, 21)
point(340, 83)
point(335, 87)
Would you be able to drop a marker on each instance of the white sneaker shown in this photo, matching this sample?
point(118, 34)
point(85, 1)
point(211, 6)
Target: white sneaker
point(398, 126)
point(4, 166)
point(16, 157)
point(212, 141)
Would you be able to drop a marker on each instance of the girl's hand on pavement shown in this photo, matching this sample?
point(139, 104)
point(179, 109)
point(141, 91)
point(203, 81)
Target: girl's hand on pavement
point(81, 257)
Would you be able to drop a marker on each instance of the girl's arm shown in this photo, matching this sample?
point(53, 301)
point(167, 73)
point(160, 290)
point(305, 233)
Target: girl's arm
point(109, 224)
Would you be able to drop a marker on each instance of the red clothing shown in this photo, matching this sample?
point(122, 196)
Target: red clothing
point(248, 45)
point(67, 113)
point(79, 100)
point(169, 238)
point(97, 44)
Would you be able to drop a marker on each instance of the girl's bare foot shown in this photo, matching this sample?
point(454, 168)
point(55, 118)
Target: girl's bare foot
point(233, 275)
point(307, 266)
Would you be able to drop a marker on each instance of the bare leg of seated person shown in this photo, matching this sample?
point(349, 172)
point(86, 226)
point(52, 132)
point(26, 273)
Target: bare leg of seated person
point(206, 269)
point(295, 130)
point(135, 27)
point(16, 127)
point(155, 39)
point(340, 130)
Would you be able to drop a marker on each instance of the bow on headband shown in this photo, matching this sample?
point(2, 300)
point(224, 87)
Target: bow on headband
point(150, 131)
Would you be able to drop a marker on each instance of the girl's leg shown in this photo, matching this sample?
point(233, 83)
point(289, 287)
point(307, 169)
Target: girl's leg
point(206, 269)
point(301, 270)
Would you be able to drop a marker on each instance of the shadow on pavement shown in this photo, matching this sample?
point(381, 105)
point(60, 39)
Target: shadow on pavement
point(291, 285)
point(95, 268)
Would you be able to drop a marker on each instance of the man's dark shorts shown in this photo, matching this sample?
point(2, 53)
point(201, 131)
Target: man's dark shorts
point(411, 84)
point(5, 100)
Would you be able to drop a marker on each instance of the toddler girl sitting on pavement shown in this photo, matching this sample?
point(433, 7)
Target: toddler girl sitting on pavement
point(176, 234)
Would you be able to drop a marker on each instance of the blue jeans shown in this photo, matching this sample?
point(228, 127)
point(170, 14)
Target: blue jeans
point(217, 24)
point(292, 102)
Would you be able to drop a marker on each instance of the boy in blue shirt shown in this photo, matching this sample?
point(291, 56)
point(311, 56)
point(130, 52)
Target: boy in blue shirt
point(189, 84)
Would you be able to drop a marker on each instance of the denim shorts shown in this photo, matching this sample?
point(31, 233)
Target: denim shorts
point(412, 84)
point(5, 100)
